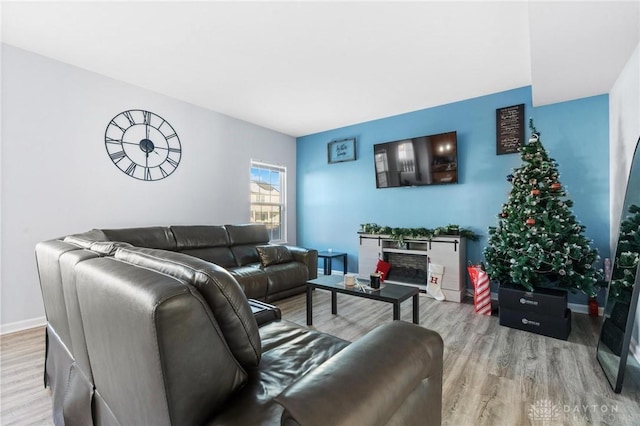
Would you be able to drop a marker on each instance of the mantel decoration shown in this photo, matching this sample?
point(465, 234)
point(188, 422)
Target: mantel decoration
point(342, 150)
point(399, 235)
point(538, 241)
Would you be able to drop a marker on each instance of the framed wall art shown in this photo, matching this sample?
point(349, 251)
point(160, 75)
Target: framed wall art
point(342, 150)
point(509, 129)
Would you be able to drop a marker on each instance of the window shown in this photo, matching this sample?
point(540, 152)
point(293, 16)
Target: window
point(406, 157)
point(268, 201)
point(382, 167)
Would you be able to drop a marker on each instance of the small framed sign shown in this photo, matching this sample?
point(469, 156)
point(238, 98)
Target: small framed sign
point(509, 129)
point(342, 150)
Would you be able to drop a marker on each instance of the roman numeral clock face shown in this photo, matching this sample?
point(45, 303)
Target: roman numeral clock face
point(143, 145)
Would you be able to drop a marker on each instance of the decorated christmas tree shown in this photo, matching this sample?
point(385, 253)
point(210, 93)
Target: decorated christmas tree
point(538, 241)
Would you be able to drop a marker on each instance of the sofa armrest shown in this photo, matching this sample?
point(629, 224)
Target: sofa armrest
point(307, 256)
point(264, 312)
point(369, 381)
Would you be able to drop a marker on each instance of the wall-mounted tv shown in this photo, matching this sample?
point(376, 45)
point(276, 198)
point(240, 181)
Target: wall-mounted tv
point(425, 160)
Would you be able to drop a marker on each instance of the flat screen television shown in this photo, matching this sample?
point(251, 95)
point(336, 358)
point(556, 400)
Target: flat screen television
point(425, 160)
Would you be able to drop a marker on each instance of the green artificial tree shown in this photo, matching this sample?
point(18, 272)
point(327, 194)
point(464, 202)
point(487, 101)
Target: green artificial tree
point(538, 241)
point(627, 257)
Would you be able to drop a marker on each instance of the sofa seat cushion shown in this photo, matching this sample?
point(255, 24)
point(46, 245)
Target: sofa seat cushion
point(272, 254)
point(286, 276)
point(221, 291)
point(288, 353)
point(252, 280)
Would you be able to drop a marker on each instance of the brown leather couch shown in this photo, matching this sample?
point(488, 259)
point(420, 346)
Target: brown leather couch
point(142, 336)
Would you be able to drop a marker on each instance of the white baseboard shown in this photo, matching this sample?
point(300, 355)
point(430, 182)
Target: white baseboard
point(333, 272)
point(13, 327)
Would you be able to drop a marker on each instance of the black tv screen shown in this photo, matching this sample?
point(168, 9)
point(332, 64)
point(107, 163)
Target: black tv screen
point(425, 160)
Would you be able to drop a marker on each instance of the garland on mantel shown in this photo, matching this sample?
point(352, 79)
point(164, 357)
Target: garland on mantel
point(401, 234)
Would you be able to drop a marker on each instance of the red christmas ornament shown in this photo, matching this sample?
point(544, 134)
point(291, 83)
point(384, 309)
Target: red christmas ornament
point(531, 221)
point(556, 185)
point(503, 215)
point(535, 192)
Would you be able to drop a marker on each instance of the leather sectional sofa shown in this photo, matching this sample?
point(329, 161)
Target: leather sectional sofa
point(243, 250)
point(158, 336)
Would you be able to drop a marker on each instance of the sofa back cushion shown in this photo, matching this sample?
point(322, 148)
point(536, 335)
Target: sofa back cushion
point(272, 254)
point(68, 264)
point(244, 239)
point(48, 255)
point(221, 291)
point(85, 239)
point(158, 237)
point(221, 256)
point(192, 237)
point(107, 248)
point(250, 233)
point(157, 354)
point(210, 243)
point(245, 255)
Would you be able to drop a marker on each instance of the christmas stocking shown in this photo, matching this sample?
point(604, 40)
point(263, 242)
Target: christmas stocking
point(434, 280)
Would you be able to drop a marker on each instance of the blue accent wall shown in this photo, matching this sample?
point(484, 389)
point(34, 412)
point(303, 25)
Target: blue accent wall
point(334, 199)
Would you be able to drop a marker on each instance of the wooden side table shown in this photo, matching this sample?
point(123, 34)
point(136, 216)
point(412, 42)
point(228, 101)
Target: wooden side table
point(328, 256)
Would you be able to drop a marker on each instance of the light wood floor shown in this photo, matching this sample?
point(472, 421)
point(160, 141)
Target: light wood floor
point(493, 375)
point(23, 399)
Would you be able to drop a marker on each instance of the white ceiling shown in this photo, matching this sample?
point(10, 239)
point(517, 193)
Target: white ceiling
point(305, 67)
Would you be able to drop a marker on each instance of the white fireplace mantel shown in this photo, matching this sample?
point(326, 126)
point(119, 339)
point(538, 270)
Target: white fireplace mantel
point(446, 250)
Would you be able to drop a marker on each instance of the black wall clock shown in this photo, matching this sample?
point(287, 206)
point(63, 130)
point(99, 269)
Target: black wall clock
point(143, 145)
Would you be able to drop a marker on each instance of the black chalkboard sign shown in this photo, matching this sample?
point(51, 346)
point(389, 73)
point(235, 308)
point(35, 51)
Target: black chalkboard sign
point(509, 129)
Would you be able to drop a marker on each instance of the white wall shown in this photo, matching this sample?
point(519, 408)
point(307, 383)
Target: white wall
point(624, 128)
point(624, 131)
point(57, 178)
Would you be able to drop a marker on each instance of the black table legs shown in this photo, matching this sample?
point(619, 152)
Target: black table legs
point(416, 310)
point(328, 257)
point(394, 294)
point(309, 305)
point(327, 266)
